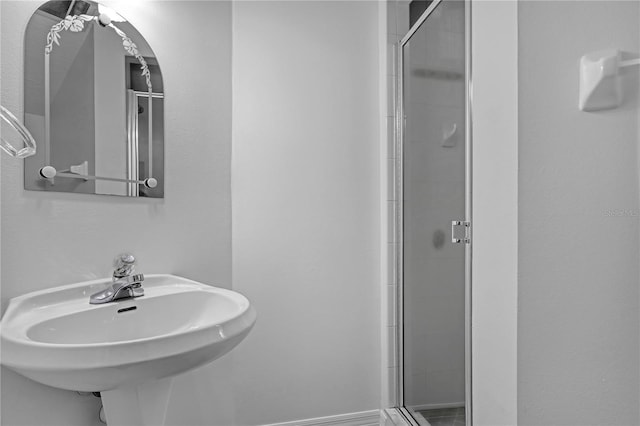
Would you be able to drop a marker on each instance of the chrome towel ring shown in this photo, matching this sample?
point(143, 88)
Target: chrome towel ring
point(29, 143)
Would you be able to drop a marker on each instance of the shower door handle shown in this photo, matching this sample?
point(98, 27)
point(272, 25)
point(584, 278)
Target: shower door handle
point(460, 232)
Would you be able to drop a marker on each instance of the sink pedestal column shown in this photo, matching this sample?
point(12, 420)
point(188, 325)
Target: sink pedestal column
point(141, 405)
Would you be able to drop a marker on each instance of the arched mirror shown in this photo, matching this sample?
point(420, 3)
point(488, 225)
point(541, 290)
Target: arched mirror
point(94, 102)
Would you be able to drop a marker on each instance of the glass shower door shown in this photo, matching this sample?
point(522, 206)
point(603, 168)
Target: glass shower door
point(435, 190)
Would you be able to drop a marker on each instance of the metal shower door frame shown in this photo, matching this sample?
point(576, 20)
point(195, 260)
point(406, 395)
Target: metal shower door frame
point(399, 124)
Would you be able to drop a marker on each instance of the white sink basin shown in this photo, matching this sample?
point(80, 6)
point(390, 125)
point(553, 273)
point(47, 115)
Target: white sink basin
point(57, 338)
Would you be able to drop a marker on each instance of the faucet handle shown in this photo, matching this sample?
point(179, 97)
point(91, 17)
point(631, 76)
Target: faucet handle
point(124, 265)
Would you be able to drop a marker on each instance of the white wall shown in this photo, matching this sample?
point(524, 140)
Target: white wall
point(305, 207)
point(50, 239)
point(110, 128)
point(579, 319)
point(495, 207)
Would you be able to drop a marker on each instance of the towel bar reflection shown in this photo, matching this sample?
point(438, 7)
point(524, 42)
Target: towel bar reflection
point(49, 172)
point(29, 143)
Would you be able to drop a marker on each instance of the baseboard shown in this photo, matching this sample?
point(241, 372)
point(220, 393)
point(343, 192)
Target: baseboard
point(436, 406)
point(362, 418)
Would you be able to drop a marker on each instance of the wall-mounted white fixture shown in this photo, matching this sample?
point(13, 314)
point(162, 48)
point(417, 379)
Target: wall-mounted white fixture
point(600, 86)
point(81, 169)
point(128, 351)
point(449, 135)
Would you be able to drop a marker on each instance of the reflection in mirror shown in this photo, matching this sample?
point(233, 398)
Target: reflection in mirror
point(89, 78)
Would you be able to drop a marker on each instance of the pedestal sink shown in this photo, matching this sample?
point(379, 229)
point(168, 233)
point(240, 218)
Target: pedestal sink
point(128, 350)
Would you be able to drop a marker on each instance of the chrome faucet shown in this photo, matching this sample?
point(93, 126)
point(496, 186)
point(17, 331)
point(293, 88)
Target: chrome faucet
point(125, 284)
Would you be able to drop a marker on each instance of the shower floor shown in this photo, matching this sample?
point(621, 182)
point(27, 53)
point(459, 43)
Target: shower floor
point(445, 416)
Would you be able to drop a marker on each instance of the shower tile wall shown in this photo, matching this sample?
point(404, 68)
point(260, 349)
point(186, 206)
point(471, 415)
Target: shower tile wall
point(434, 193)
point(397, 26)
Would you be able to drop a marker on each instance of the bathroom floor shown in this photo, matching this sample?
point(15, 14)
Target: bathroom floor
point(445, 416)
